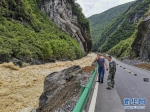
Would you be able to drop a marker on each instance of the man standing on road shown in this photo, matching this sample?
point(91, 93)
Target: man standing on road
point(111, 75)
point(101, 68)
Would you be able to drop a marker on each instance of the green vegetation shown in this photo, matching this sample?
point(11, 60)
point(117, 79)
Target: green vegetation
point(27, 32)
point(124, 29)
point(118, 36)
point(99, 22)
point(108, 31)
point(83, 21)
point(123, 48)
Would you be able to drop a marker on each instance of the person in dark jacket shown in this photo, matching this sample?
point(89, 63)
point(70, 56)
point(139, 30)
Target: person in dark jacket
point(111, 75)
point(101, 67)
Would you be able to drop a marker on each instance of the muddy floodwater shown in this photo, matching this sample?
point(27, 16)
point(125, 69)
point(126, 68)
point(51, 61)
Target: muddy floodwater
point(20, 88)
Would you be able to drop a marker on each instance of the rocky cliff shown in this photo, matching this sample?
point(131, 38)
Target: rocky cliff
point(62, 13)
point(141, 45)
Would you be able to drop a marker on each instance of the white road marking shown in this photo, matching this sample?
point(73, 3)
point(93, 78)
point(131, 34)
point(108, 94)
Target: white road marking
point(129, 71)
point(94, 97)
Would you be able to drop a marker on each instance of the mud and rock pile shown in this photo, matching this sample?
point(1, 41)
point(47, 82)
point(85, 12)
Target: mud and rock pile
point(88, 69)
point(144, 66)
point(62, 89)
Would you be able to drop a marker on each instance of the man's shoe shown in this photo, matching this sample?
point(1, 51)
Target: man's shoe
point(112, 86)
point(101, 82)
point(97, 81)
point(109, 88)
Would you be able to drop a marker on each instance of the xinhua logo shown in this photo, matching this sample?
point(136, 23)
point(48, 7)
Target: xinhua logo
point(134, 103)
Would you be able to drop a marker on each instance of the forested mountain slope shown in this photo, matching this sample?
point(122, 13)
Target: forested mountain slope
point(26, 33)
point(123, 27)
point(137, 44)
point(98, 22)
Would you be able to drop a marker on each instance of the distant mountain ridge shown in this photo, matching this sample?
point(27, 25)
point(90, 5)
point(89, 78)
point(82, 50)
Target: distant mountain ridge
point(98, 22)
point(119, 35)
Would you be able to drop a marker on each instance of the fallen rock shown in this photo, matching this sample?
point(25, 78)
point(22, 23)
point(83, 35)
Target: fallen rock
point(146, 79)
point(61, 89)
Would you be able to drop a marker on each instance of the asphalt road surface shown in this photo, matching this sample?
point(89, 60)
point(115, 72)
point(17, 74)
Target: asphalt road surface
point(129, 84)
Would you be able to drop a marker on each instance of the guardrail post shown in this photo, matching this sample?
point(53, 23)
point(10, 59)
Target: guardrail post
point(82, 89)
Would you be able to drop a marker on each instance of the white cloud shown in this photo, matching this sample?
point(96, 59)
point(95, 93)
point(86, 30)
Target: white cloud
point(91, 7)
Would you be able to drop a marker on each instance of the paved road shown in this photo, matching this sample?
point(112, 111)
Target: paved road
point(127, 86)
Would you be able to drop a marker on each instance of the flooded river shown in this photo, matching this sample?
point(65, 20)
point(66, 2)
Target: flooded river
point(20, 88)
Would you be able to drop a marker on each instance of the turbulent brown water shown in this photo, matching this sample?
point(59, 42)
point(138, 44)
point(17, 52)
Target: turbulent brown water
point(20, 88)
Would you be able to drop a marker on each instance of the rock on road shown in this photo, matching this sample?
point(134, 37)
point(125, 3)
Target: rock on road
point(129, 84)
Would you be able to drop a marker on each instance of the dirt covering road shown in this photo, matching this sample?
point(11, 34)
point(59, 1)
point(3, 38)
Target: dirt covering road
point(144, 66)
point(20, 88)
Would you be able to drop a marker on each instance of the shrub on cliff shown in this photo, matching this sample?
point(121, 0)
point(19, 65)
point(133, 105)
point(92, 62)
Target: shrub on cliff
point(26, 32)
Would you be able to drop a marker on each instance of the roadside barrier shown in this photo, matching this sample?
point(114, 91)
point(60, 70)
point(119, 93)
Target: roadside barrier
point(80, 105)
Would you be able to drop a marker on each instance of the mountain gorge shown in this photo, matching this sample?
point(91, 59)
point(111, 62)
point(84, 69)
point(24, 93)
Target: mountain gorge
point(100, 21)
point(121, 33)
point(26, 33)
point(38, 31)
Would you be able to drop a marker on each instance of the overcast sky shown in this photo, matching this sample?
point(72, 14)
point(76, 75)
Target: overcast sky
point(91, 7)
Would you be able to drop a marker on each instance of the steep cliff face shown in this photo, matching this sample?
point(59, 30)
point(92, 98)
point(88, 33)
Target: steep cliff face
point(141, 45)
point(62, 14)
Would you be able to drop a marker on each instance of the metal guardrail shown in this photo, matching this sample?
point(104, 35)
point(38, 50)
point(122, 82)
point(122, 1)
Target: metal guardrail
point(82, 101)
